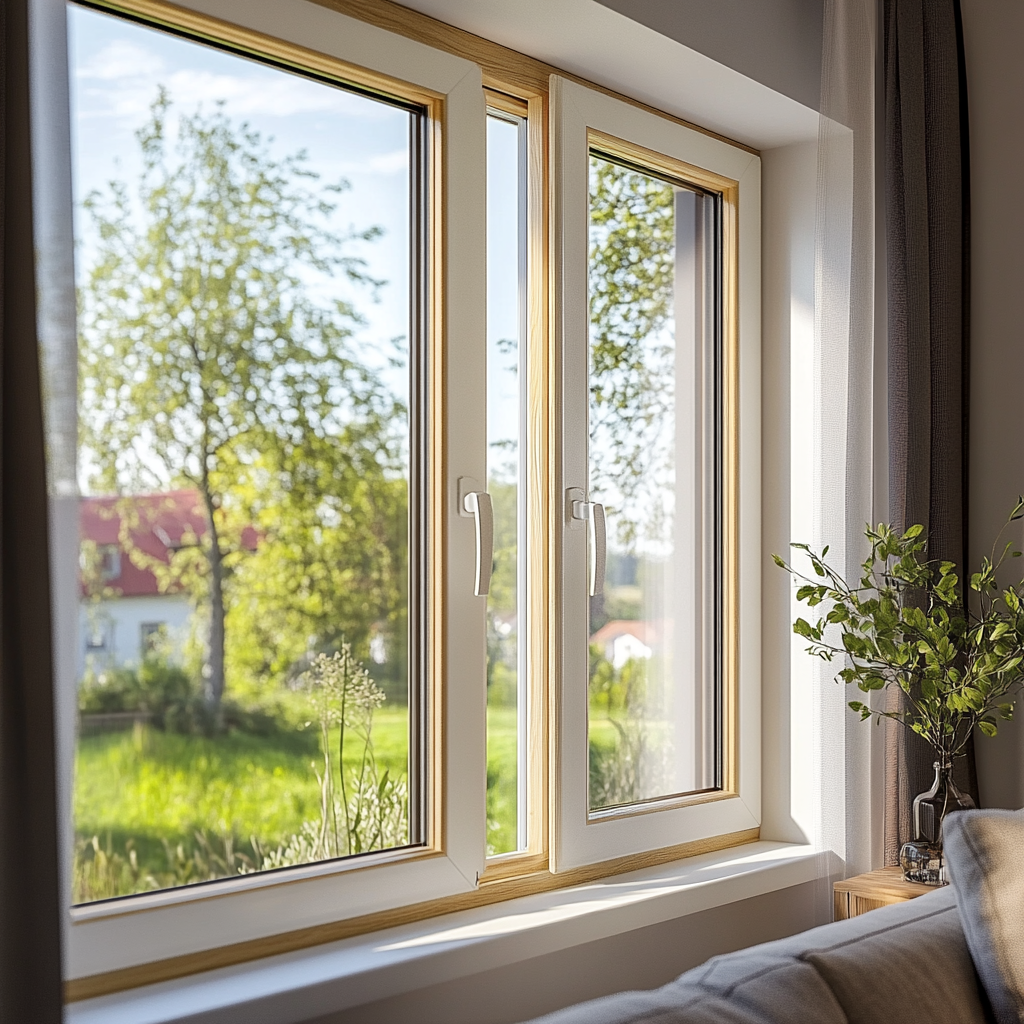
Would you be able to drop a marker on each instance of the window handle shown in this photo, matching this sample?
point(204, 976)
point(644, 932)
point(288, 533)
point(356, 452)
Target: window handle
point(478, 505)
point(593, 513)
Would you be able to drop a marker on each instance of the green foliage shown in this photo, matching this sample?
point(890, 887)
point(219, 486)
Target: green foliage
point(157, 688)
point(171, 699)
point(907, 624)
point(149, 790)
point(632, 273)
point(205, 363)
point(101, 872)
point(625, 754)
point(372, 810)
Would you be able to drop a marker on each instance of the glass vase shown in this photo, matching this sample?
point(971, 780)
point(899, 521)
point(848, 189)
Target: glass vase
point(922, 859)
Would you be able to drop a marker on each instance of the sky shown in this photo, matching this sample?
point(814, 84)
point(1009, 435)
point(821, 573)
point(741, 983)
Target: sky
point(116, 69)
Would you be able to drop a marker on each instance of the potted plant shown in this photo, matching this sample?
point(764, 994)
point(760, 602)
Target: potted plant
point(906, 623)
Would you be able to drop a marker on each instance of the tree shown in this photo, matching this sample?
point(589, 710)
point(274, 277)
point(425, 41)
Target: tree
point(204, 362)
point(632, 269)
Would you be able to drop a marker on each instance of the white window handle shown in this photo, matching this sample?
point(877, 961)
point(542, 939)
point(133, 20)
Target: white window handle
point(478, 504)
point(593, 513)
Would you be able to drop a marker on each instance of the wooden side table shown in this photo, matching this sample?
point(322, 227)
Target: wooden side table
point(858, 895)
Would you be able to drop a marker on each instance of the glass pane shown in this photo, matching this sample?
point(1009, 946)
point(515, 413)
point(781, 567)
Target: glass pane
point(244, 465)
point(652, 694)
point(506, 704)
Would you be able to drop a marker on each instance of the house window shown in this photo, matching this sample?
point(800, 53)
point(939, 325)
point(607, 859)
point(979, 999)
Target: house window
point(96, 637)
point(109, 562)
point(152, 636)
point(412, 406)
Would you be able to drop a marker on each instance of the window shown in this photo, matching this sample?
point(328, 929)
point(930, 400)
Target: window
point(246, 343)
point(507, 627)
point(152, 638)
point(410, 411)
point(651, 698)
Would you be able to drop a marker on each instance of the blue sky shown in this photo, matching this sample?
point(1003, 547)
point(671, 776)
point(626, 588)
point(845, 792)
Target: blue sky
point(116, 69)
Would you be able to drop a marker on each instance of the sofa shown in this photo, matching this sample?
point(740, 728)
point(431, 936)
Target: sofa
point(952, 956)
point(904, 963)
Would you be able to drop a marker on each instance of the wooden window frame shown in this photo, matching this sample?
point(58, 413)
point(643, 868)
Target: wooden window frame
point(518, 84)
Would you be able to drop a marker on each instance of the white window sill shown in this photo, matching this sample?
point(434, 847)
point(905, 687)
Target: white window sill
point(325, 979)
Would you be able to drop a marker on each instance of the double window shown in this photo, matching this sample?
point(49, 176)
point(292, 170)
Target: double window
point(411, 410)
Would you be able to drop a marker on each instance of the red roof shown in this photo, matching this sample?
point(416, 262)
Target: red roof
point(646, 632)
point(163, 523)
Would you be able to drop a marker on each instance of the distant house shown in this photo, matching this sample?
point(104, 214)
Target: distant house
point(122, 611)
point(621, 640)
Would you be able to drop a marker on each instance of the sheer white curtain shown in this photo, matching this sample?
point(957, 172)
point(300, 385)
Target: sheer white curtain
point(844, 410)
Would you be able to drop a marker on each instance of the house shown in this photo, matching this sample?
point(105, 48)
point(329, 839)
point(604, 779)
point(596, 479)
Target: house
point(746, 70)
point(124, 609)
point(621, 640)
point(129, 601)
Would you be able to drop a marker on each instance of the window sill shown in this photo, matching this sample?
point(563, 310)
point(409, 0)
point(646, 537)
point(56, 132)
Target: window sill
point(296, 986)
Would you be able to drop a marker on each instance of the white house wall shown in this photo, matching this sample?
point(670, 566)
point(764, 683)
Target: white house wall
point(122, 620)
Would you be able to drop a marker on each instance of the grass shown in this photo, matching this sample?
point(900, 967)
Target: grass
point(149, 787)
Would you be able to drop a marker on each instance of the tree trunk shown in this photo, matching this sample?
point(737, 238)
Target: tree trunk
point(213, 670)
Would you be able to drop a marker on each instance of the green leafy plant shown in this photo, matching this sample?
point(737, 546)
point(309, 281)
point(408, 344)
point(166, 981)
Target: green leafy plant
point(365, 810)
point(906, 623)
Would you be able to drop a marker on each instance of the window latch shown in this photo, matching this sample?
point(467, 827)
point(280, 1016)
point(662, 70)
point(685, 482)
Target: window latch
point(477, 504)
point(592, 512)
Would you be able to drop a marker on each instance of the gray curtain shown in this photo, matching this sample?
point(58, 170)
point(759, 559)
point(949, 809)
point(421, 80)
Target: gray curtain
point(30, 967)
point(927, 197)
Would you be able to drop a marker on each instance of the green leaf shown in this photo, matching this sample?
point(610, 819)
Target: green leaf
point(988, 727)
point(803, 628)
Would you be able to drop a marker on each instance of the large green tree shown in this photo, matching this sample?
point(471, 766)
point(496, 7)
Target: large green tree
point(632, 271)
point(208, 362)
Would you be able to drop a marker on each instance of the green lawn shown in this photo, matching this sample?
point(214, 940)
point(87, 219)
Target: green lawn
point(147, 787)
point(501, 780)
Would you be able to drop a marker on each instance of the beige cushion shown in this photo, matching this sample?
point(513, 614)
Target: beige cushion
point(906, 963)
point(985, 855)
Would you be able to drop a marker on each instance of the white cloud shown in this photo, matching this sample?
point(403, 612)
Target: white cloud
point(121, 59)
point(389, 163)
point(123, 78)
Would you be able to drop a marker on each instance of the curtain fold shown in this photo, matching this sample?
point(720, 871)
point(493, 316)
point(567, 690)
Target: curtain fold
point(30, 911)
point(927, 199)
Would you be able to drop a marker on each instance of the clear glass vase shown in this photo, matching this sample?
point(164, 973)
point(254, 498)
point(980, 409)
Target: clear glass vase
point(922, 859)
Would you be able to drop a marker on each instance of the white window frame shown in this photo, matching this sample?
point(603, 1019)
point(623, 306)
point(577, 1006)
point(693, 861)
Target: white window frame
point(132, 931)
point(580, 838)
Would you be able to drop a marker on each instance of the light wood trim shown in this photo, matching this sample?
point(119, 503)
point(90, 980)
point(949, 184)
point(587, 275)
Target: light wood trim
point(256, 44)
point(542, 568)
point(503, 68)
point(686, 174)
point(506, 103)
point(538, 450)
point(730, 394)
point(494, 892)
point(437, 426)
point(679, 171)
point(513, 865)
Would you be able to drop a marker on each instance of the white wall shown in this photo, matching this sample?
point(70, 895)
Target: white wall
point(787, 270)
point(122, 619)
point(994, 41)
point(775, 42)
